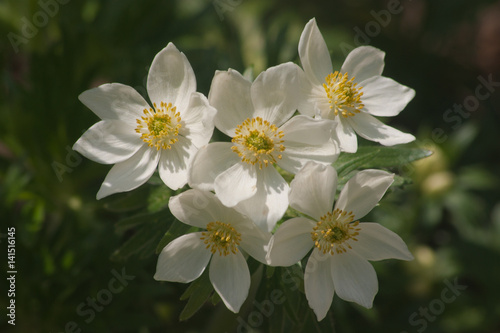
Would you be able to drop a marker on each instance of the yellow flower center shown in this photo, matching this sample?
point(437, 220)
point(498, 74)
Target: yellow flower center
point(159, 127)
point(258, 141)
point(343, 94)
point(333, 230)
point(221, 237)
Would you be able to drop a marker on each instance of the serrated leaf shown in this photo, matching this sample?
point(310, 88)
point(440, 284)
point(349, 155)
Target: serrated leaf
point(198, 292)
point(176, 229)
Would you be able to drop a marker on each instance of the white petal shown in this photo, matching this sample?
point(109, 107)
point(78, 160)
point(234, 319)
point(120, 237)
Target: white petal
point(318, 283)
point(310, 97)
point(385, 97)
point(253, 240)
point(375, 242)
point(312, 191)
point(291, 242)
point(171, 78)
point(269, 202)
point(198, 120)
point(230, 95)
point(307, 130)
point(307, 139)
point(314, 54)
point(115, 101)
point(364, 62)
point(210, 161)
point(235, 184)
point(348, 141)
point(363, 191)
point(130, 174)
point(373, 129)
point(231, 279)
point(183, 260)
point(198, 208)
point(109, 142)
point(174, 163)
point(354, 278)
point(275, 93)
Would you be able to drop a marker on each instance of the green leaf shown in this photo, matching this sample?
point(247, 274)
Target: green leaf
point(125, 202)
point(137, 220)
point(378, 157)
point(388, 157)
point(347, 162)
point(215, 299)
point(155, 179)
point(198, 292)
point(270, 271)
point(177, 229)
point(144, 241)
point(158, 199)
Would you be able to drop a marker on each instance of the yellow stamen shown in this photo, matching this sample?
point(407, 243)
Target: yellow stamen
point(221, 237)
point(159, 127)
point(258, 141)
point(343, 94)
point(333, 230)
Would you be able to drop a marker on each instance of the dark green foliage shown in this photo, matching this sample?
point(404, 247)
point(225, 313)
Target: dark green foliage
point(68, 244)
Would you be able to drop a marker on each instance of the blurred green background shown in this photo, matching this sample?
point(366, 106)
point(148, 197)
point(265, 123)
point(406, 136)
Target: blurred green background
point(51, 51)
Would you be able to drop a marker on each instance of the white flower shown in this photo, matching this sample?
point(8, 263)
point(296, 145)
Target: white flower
point(341, 245)
point(353, 95)
point(227, 232)
point(137, 137)
point(257, 117)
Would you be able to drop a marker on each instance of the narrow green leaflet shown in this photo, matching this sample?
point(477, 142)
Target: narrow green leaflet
point(198, 293)
point(136, 220)
point(378, 157)
point(176, 229)
point(147, 228)
point(347, 163)
point(129, 201)
point(387, 157)
point(158, 199)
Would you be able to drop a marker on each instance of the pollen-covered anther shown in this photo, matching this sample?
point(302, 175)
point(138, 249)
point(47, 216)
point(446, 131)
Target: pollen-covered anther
point(159, 127)
point(333, 231)
point(221, 237)
point(257, 141)
point(343, 94)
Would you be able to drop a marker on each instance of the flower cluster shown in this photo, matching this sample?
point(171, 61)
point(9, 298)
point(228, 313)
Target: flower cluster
point(237, 192)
